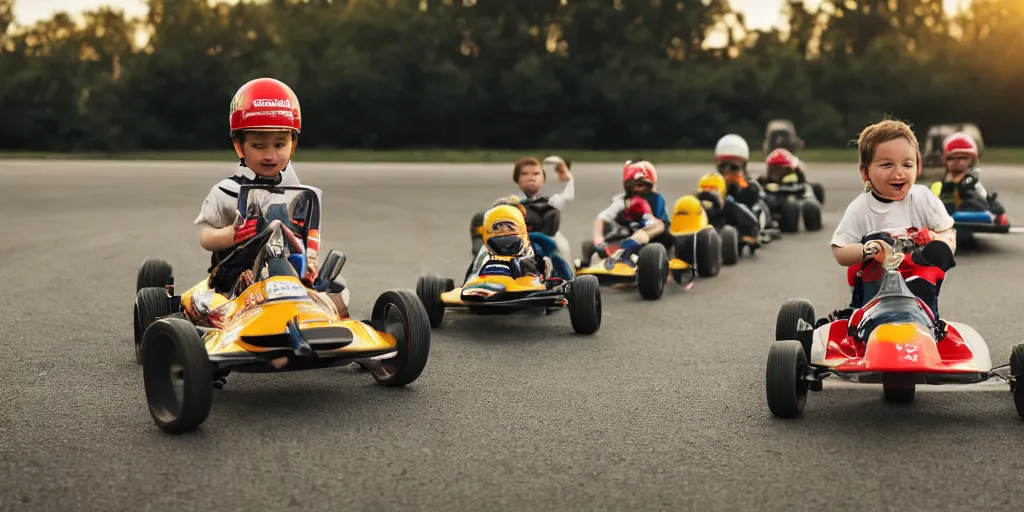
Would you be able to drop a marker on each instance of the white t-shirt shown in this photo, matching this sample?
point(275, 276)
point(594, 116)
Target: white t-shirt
point(612, 211)
point(221, 203)
point(866, 215)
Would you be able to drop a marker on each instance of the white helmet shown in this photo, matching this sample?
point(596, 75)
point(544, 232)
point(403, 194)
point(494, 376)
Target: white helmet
point(732, 146)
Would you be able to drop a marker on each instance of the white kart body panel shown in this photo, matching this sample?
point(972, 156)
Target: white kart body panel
point(982, 361)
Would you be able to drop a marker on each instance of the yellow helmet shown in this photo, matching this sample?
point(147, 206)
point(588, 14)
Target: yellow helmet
point(712, 182)
point(505, 230)
point(688, 205)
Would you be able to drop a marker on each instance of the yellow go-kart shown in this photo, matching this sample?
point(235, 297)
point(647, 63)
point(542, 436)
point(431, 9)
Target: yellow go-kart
point(698, 247)
point(498, 283)
point(648, 272)
point(269, 322)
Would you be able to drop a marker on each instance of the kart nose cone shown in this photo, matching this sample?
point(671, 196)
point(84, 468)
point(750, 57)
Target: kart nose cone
point(901, 347)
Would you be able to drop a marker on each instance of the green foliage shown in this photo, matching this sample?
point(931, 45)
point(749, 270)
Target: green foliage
point(515, 74)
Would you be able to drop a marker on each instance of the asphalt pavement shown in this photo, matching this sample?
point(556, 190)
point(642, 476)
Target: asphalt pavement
point(663, 409)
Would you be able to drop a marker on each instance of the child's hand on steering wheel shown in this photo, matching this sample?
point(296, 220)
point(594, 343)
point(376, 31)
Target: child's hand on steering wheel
point(875, 249)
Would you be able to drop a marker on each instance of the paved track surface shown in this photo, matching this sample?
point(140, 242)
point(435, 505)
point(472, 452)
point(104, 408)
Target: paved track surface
point(663, 409)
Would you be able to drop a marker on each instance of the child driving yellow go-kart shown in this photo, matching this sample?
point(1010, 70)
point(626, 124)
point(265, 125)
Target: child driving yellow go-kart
point(505, 235)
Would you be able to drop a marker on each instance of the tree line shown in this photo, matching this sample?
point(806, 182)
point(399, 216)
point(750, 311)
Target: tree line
point(586, 74)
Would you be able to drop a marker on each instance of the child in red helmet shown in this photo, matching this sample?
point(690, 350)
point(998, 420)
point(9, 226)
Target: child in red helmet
point(265, 120)
point(961, 186)
point(893, 205)
point(640, 210)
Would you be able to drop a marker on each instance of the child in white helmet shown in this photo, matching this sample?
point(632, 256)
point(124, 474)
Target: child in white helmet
point(731, 156)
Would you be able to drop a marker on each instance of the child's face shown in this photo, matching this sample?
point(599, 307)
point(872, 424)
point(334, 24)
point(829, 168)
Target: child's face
point(641, 187)
point(893, 169)
point(531, 179)
point(731, 169)
point(266, 153)
point(957, 165)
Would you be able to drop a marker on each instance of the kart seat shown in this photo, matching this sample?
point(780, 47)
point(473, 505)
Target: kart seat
point(541, 216)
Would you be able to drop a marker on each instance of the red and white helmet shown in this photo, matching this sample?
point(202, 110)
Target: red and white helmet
point(638, 171)
point(782, 158)
point(732, 147)
point(959, 143)
point(265, 104)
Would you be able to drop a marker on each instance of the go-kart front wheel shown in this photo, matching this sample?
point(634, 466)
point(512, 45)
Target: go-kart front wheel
point(730, 245)
point(584, 299)
point(652, 271)
point(177, 375)
point(785, 388)
point(819, 192)
point(150, 305)
point(789, 216)
point(429, 290)
point(811, 211)
point(154, 273)
point(1017, 371)
point(402, 315)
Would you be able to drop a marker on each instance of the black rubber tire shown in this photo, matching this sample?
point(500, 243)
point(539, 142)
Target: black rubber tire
point(163, 340)
point(429, 290)
point(1017, 370)
point(413, 345)
point(730, 245)
point(789, 216)
point(795, 321)
point(709, 253)
point(819, 192)
point(896, 392)
point(812, 216)
point(477, 241)
point(587, 251)
point(584, 299)
point(785, 391)
point(150, 305)
point(652, 271)
point(154, 273)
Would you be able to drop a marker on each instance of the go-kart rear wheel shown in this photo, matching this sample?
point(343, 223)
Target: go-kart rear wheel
point(400, 314)
point(785, 387)
point(819, 192)
point(1017, 371)
point(812, 215)
point(730, 245)
point(150, 305)
point(796, 322)
point(709, 253)
point(584, 299)
point(177, 375)
point(154, 273)
point(652, 271)
point(789, 216)
point(429, 290)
